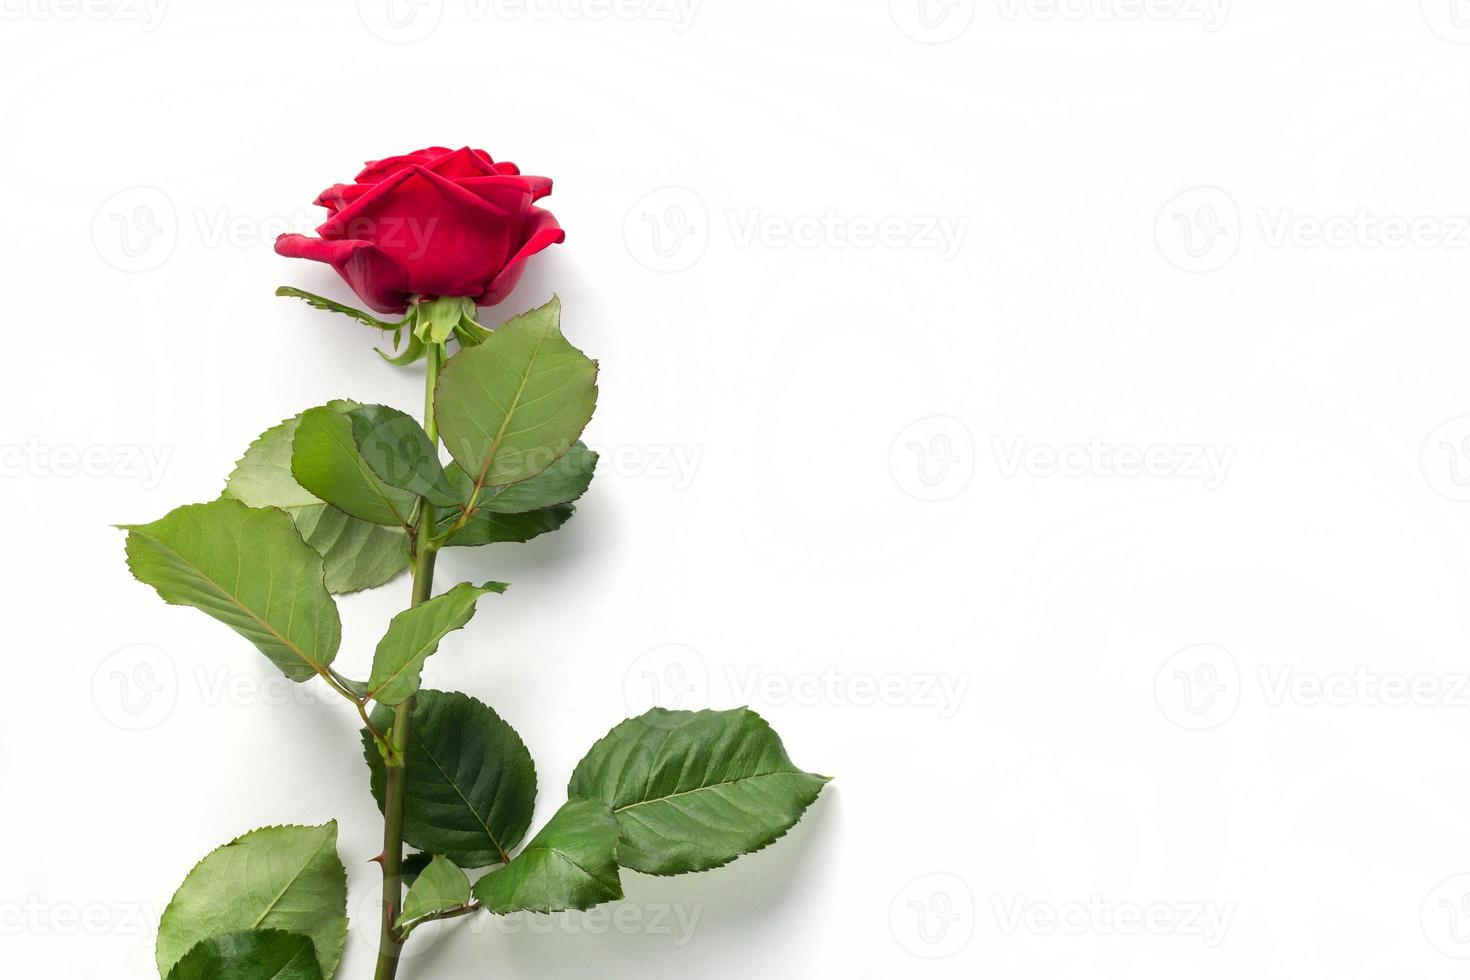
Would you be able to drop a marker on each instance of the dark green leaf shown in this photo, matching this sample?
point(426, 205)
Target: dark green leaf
point(513, 405)
point(414, 634)
point(486, 527)
point(399, 452)
point(505, 514)
point(571, 864)
point(325, 460)
point(694, 790)
point(414, 864)
point(286, 878)
point(248, 568)
point(471, 783)
point(560, 483)
point(260, 954)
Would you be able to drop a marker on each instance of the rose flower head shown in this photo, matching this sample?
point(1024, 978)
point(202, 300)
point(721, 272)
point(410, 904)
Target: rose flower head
point(433, 223)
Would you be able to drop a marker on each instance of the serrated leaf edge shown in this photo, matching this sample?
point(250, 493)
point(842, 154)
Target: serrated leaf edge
point(369, 751)
point(332, 839)
point(755, 850)
point(319, 668)
point(480, 591)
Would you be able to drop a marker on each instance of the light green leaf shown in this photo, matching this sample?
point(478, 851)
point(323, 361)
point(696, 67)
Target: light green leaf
point(398, 451)
point(332, 306)
point(513, 405)
point(259, 954)
point(325, 460)
point(439, 887)
point(286, 878)
point(471, 784)
point(357, 555)
point(571, 864)
point(694, 790)
point(262, 477)
point(414, 634)
point(249, 569)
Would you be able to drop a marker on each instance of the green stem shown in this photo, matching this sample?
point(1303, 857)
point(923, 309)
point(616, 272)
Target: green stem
point(389, 945)
point(468, 908)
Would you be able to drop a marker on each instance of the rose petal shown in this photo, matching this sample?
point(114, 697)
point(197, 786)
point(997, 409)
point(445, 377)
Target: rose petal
point(372, 274)
point(446, 239)
point(462, 163)
point(513, 194)
point(338, 196)
point(435, 221)
point(377, 170)
point(541, 232)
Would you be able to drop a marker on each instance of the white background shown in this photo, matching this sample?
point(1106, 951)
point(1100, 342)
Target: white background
point(1093, 383)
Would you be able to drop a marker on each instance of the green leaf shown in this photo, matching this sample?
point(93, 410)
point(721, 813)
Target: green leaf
point(571, 864)
point(471, 784)
point(513, 405)
point(414, 863)
point(286, 878)
point(414, 634)
point(399, 452)
point(486, 527)
point(560, 483)
point(356, 555)
point(520, 511)
point(259, 954)
point(262, 477)
point(439, 887)
point(332, 306)
point(694, 790)
point(325, 460)
point(249, 569)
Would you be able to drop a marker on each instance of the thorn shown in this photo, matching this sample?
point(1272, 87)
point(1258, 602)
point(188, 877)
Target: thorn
point(376, 860)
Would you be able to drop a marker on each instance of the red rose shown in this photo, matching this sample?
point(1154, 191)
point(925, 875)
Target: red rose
point(433, 223)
